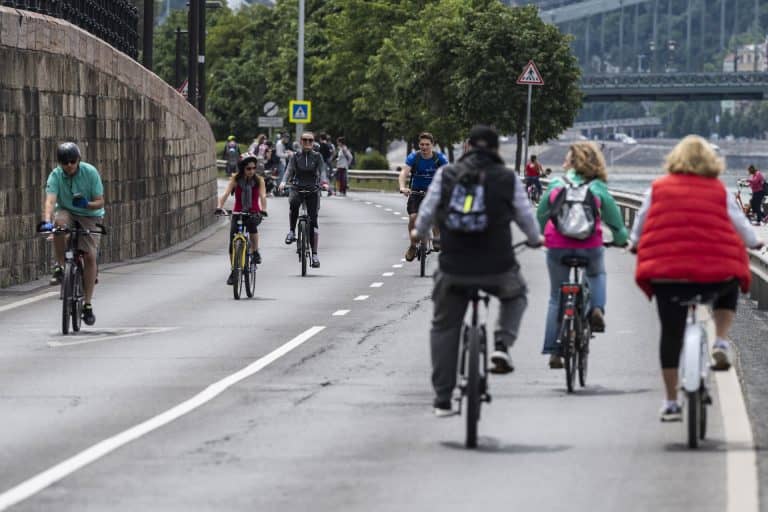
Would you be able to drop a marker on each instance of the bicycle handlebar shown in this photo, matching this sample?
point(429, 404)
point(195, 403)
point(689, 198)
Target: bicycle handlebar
point(66, 229)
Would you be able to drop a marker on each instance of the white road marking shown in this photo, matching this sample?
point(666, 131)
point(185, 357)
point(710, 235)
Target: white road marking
point(31, 300)
point(396, 213)
point(368, 202)
point(65, 468)
point(740, 459)
point(404, 218)
point(387, 274)
point(379, 206)
point(83, 337)
point(341, 312)
point(402, 259)
point(377, 285)
point(361, 297)
point(387, 209)
point(397, 265)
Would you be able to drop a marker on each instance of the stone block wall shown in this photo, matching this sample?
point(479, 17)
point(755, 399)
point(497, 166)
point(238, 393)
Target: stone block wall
point(155, 152)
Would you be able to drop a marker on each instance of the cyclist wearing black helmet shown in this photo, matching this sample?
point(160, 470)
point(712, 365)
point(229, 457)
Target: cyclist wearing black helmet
point(74, 192)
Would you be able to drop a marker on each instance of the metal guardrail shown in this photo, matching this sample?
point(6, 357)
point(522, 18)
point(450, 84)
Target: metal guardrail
point(114, 21)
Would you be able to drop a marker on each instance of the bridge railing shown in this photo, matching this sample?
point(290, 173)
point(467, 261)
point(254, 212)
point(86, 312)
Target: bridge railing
point(113, 21)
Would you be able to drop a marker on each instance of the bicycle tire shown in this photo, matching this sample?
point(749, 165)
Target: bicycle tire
point(66, 298)
point(693, 409)
point(237, 268)
point(584, 354)
point(702, 414)
point(569, 355)
point(250, 277)
point(473, 385)
point(77, 299)
point(303, 247)
point(422, 259)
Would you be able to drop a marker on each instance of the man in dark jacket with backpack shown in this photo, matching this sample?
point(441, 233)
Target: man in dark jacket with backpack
point(473, 202)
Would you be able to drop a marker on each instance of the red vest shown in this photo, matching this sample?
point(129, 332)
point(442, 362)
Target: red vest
point(688, 235)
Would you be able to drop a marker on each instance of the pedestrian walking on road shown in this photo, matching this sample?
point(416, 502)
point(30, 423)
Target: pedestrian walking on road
point(691, 237)
point(343, 163)
point(481, 257)
point(231, 155)
point(584, 167)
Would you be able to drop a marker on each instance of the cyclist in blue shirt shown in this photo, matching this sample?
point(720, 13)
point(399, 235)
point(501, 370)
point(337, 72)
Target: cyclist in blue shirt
point(74, 192)
point(416, 176)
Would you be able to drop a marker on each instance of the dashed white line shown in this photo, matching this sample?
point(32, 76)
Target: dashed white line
point(397, 265)
point(379, 206)
point(404, 218)
point(368, 202)
point(341, 312)
point(50, 476)
point(396, 213)
point(387, 209)
point(31, 300)
point(361, 297)
point(402, 259)
point(377, 285)
point(387, 274)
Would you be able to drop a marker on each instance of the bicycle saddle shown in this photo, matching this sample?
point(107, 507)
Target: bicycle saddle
point(575, 261)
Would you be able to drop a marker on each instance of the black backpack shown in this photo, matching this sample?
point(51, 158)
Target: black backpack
point(574, 211)
point(463, 197)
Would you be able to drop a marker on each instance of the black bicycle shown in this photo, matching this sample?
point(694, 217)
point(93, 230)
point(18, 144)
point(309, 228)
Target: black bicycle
point(473, 363)
point(243, 266)
point(422, 249)
point(575, 332)
point(72, 292)
point(303, 244)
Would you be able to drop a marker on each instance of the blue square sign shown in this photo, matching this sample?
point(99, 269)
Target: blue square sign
point(300, 112)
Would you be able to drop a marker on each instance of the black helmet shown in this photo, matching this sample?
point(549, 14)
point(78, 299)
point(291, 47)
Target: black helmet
point(67, 152)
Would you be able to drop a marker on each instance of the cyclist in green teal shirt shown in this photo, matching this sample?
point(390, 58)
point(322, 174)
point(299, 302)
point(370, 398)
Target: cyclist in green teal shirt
point(74, 192)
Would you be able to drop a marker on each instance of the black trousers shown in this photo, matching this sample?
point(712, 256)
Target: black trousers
point(312, 199)
point(757, 204)
point(672, 315)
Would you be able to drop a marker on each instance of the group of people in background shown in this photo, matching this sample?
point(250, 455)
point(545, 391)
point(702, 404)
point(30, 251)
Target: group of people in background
point(273, 158)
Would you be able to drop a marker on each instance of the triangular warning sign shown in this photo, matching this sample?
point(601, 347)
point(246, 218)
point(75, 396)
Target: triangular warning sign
point(530, 75)
point(184, 88)
point(300, 113)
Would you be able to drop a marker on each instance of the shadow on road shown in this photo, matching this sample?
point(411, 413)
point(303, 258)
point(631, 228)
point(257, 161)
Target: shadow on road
point(603, 391)
point(492, 445)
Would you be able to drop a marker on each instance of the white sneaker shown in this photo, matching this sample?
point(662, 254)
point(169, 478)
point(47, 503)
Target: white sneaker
point(721, 355)
point(671, 412)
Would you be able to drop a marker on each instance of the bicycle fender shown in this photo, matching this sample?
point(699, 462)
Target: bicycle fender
point(692, 358)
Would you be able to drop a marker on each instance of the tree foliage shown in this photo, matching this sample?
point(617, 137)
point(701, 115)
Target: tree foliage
point(378, 70)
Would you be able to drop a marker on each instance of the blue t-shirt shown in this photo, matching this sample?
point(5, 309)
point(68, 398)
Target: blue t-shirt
point(86, 182)
point(425, 169)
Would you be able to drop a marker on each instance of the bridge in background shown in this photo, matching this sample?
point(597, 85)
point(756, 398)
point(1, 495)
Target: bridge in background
point(675, 86)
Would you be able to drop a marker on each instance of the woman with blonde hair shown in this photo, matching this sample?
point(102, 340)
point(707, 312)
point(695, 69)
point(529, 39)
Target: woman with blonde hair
point(584, 166)
point(691, 237)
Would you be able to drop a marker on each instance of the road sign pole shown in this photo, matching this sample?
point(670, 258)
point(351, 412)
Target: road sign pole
point(300, 67)
point(527, 126)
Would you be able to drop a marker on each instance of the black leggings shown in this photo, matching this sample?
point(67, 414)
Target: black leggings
point(313, 204)
point(673, 316)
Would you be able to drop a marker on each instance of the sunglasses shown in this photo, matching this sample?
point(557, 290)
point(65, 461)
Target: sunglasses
point(250, 168)
point(307, 140)
point(69, 162)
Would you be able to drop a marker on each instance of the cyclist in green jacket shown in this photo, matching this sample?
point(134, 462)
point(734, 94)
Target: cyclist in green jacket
point(584, 164)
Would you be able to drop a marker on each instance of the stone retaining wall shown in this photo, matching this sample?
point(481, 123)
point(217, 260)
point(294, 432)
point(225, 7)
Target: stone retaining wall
point(155, 152)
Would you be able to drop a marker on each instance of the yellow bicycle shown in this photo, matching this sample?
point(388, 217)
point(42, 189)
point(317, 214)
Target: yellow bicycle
point(243, 266)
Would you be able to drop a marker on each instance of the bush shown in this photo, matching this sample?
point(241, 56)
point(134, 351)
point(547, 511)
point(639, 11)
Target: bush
point(373, 161)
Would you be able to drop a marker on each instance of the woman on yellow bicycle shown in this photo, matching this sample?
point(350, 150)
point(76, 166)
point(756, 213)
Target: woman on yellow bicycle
point(250, 197)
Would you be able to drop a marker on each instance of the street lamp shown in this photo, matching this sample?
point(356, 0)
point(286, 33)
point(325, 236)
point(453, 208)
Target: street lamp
point(177, 61)
point(652, 49)
point(671, 46)
point(300, 67)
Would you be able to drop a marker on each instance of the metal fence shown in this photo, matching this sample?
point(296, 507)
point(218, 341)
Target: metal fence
point(114, 21)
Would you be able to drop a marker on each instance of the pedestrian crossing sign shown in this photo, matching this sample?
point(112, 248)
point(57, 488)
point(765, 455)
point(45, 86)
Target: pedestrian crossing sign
point(530, 75)
point(300, 112)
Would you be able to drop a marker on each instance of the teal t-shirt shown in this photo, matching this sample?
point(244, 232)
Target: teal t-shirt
point(86, 181)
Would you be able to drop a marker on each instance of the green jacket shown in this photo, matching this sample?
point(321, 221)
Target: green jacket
point(610, 215)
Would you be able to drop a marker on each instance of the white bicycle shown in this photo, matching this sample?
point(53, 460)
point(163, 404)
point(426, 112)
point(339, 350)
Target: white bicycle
point(694, 367)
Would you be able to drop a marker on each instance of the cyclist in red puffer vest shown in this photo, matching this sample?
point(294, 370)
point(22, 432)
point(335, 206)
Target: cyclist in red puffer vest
point(691, 238)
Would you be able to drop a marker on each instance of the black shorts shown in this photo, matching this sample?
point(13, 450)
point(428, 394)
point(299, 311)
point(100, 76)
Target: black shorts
point(414, 201)
point(251, 223)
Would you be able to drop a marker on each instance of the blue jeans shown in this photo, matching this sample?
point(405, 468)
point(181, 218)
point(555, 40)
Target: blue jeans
point(558, 274)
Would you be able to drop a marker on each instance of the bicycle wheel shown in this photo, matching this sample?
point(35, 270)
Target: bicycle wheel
point(303, 243)
point(422, 258)
point(77, 298)
point(704, 401)
point(250, 276)
point(473, 385)
point(569, 354)
point(586, 335)
point(237, 268)
point(66, 298)
point(693, 404)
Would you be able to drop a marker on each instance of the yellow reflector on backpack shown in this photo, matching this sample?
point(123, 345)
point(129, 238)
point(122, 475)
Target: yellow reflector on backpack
point(468, 204)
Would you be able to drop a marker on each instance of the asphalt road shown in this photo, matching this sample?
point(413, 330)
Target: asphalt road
point(343, 421)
